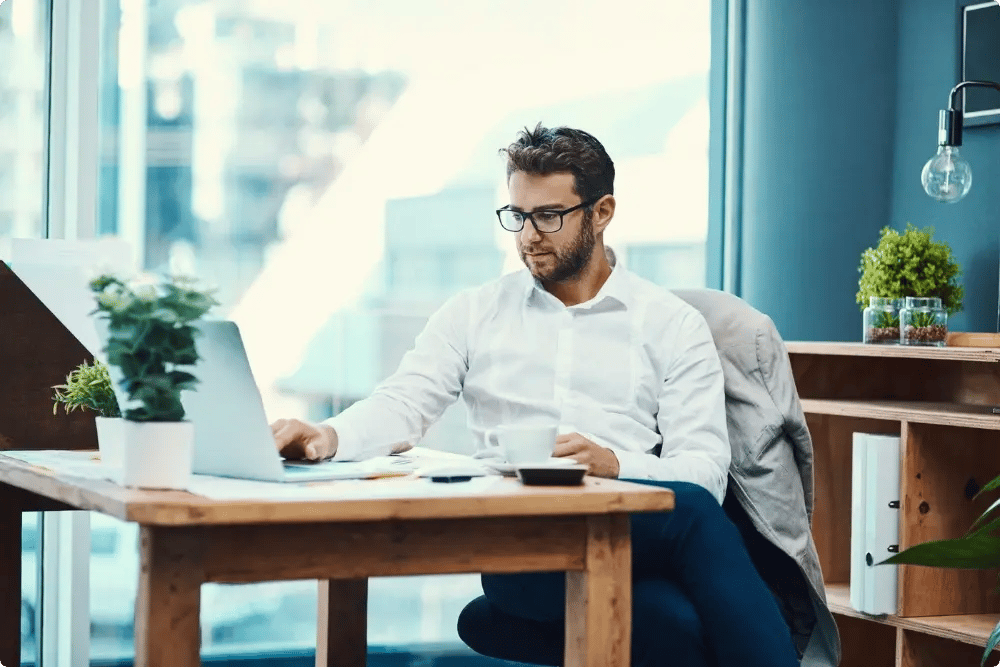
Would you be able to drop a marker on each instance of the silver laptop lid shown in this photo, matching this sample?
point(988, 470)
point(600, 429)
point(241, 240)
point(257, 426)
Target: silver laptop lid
point(231, 435)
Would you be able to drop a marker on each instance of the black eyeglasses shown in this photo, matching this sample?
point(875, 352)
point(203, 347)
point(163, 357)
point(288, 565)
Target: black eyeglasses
point(545, 221)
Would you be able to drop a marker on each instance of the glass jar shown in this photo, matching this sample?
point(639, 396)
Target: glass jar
point(923, 321)
point(881, 321)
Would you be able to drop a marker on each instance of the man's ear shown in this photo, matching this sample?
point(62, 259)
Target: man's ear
point(604, 210)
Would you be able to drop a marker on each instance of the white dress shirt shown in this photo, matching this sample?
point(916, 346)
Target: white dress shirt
point(634, 369)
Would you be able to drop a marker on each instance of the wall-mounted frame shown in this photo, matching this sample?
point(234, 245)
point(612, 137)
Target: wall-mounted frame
point(981, 61)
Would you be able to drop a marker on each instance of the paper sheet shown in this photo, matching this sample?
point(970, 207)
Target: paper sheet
point(221, 488)
point(88, 465)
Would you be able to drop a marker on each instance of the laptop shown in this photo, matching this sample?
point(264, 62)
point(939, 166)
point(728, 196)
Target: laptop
point(232, 437)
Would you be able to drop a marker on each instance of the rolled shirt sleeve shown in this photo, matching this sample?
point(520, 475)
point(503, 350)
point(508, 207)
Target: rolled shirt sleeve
point(691, 417)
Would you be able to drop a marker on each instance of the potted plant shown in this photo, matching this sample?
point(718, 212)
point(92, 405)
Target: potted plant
point(88, 387)
point(150, 335)
point(978, 549)
point(909, 265)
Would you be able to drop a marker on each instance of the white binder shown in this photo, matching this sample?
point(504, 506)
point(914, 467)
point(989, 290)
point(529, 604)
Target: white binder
point(874, 522)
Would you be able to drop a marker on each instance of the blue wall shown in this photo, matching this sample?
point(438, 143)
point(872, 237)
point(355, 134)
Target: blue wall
point(929, 65)
point(819, 123)
point(840, 114)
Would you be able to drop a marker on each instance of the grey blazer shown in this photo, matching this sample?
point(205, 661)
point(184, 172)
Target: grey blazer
point(770, 494)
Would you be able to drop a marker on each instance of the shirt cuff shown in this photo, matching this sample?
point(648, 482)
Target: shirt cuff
point(348, 442)
point(632, 465)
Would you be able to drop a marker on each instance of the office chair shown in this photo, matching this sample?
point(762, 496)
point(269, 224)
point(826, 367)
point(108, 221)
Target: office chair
point(769, 496)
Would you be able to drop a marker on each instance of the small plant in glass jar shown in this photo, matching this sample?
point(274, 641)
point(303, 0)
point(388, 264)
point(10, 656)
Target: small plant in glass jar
point(904, 265)
point(881, 321)
point(923, 321)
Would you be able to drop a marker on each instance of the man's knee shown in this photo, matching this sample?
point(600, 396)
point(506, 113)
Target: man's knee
point(536, 596)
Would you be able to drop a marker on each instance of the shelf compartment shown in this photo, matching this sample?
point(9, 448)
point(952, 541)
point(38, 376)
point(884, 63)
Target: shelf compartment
point(971, 629)
point(972, 379)
point(832, 446)
point(920, 412)
point(942, 469)
point(863, 643)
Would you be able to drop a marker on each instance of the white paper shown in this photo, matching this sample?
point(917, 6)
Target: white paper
point(222, 488)
point(88, 465)
point(59, 272)
point(83, 463)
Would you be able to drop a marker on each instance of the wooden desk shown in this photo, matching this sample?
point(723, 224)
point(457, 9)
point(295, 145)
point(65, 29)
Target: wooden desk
point(187, 540)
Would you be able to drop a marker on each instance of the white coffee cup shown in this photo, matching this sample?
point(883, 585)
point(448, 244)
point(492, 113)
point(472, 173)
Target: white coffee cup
point(525, 444)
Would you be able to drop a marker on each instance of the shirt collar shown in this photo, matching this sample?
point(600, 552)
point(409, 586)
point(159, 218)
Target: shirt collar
point(614, 292)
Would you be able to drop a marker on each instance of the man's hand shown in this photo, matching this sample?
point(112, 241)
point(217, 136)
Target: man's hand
point(600, 461)
point(297, 439)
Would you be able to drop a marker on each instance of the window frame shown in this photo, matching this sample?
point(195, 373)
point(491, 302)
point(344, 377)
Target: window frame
point(70, 212)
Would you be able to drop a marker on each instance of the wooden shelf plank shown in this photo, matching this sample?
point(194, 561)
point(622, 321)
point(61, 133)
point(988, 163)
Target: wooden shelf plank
point(919, 412)
point(985, 354)
point(969, 629)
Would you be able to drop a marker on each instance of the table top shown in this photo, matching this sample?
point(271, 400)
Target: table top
point(376, 500)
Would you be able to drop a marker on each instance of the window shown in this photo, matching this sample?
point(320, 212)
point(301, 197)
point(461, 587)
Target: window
point(24, 52)
point(336, 163)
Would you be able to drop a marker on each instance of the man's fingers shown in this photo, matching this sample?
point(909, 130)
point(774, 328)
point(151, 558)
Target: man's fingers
point(567, 448)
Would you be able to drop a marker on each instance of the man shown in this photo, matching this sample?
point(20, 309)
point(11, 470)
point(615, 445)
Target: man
point(632, 377)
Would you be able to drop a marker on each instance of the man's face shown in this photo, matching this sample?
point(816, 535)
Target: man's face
point(560, 256)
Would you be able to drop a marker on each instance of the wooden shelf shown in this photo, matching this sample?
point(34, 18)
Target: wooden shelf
point(985, 354)
point(969, 628)
point(944, 414)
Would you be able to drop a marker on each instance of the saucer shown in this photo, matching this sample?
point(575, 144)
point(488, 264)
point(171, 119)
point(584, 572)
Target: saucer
point(510, 468)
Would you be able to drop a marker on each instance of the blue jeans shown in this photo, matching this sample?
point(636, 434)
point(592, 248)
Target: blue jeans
point(697, 600)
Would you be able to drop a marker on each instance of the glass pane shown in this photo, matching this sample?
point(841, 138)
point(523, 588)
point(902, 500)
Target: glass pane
point(332, 167)
point(24, 53)
point(30, 559)
point(24, 47)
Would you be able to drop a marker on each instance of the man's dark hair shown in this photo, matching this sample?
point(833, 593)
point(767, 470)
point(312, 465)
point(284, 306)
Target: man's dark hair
point(546, 151)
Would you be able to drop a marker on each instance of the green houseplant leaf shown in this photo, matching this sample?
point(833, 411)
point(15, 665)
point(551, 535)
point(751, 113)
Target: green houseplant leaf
point(973, 552)
point(150, 333)
point(978, 549)
point(87, 387)
point(910, 264)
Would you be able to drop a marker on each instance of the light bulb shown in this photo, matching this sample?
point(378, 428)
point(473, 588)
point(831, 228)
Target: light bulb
point(946, 176)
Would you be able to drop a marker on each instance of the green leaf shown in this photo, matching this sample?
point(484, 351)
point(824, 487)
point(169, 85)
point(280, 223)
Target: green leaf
point(991, 643)
point(987, 528)
point(87, 387)
point(990, 486)
point(975, 552)
point(910, 264)
point(982, 517)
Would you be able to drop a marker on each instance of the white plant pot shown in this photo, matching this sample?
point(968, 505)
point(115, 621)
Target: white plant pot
point(111, 440)
point(158, 455)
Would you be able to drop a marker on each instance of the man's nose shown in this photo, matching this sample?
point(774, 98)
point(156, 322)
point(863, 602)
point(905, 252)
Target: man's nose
point(529, 234)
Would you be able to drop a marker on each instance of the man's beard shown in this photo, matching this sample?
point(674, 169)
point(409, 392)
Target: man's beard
point(569, 261)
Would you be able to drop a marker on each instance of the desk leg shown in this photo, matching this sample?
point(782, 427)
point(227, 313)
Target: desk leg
point(599, 598)
point(342, 623)
point(10, 578)
point(168, 604)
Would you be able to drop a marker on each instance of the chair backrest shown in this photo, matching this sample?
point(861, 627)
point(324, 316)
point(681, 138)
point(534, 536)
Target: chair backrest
point(770, 494)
